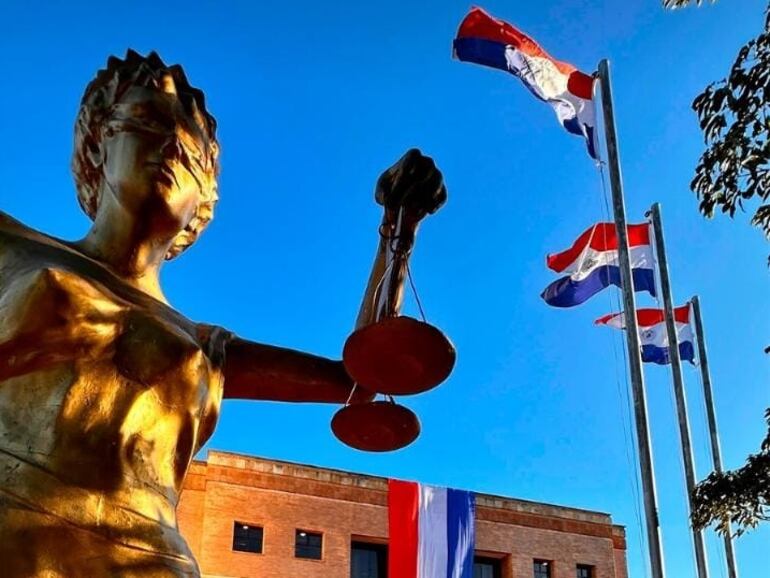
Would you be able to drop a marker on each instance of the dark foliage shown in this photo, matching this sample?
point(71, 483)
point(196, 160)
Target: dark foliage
point(733, 114)
point(740, 497)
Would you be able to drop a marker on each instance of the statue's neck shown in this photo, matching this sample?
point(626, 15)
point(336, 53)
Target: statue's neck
point(129, 248)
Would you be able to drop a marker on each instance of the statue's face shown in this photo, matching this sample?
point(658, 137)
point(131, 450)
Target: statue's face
point(154, 159)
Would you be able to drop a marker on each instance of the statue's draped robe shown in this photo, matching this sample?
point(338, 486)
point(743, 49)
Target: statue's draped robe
point(105, 396)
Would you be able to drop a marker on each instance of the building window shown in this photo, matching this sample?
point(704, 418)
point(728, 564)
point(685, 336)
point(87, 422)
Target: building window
point(368, 560)
point(584, 571)
point(308, 545)
point(486, 568)
point(542, 569)
point(247, 538)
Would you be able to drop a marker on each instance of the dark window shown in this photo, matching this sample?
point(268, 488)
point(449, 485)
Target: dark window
point(368, 560)
point(486, 568)
point(584, 571)
point(247, 538)
point(308, 545)
point(542, 569)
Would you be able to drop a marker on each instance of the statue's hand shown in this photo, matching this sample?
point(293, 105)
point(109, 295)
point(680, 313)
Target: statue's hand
point(414, 184)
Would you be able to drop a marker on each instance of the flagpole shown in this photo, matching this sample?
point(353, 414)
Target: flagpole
point(676, 373)
point(632, 331)
point(716, 452)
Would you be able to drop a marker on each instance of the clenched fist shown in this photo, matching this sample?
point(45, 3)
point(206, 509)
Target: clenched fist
point(414, 184)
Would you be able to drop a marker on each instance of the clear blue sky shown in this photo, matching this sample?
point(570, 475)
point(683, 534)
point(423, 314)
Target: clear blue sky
point(313, 100)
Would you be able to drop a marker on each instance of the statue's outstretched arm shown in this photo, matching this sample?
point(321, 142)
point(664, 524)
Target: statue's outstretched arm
point(266, 372)
point(408, 191)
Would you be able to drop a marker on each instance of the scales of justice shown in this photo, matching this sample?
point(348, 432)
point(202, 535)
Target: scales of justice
point(107, 393)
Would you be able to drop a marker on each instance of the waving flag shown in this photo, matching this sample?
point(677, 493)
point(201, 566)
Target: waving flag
point(592, 264)
point(431, 531)
point(653, 336)
point(485, 40)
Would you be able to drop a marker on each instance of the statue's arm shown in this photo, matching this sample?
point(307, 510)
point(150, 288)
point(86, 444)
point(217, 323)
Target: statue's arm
point(408, 191)
point(367, 313)
point(266, 372)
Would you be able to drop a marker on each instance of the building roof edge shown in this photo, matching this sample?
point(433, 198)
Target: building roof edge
point(374, 482)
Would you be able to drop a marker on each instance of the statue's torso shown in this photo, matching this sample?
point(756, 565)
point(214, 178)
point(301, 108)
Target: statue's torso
point(105, 395)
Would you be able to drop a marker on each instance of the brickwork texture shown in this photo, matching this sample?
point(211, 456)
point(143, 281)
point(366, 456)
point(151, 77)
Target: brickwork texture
point(345, 507)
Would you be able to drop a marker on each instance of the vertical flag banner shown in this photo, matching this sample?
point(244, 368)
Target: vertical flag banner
point(592, 264)
point(652, 333)
point(485, 40)
point(432, 531)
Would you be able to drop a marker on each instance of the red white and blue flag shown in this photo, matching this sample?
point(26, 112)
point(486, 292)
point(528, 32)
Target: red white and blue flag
point(432, 531)
point(485, 40)
point(653, 335)
point(592, 264)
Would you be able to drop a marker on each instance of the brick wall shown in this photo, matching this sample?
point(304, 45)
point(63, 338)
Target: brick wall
point(283, 497)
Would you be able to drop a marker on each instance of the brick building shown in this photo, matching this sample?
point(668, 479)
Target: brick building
point(250, 517)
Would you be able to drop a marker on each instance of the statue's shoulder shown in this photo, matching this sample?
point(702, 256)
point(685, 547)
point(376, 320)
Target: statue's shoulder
point(14, 230)
point(31, 262)
point(8, 224)
point(21, 244)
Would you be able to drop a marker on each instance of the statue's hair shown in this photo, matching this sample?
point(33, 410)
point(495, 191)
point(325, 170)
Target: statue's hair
point(106, 90)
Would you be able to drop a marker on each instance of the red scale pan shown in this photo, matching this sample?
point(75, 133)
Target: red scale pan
point(398, 356)
point(394, 356)
point(377, 426)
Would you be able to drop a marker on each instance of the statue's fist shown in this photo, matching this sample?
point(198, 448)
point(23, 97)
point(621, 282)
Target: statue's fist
point(413, 183)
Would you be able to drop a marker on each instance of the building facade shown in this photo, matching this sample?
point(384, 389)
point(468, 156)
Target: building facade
point(248, 517)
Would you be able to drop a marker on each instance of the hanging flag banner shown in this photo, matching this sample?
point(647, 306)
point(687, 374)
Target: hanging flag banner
point(592, 264)
point(485, 40)
point(432, 531)
point(653, 336)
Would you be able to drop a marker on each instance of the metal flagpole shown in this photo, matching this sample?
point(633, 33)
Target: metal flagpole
point(716, 452)
point(676, 372)
point(632, 331)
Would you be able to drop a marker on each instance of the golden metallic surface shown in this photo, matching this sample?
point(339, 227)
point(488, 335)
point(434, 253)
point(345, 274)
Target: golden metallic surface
point(105, 395)
point(106, 392)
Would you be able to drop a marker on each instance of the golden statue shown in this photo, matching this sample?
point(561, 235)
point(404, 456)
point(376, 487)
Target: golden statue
point(106, 392)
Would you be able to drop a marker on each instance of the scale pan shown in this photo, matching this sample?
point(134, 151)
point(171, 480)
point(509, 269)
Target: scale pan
point(398, 356)
point(378, 426)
